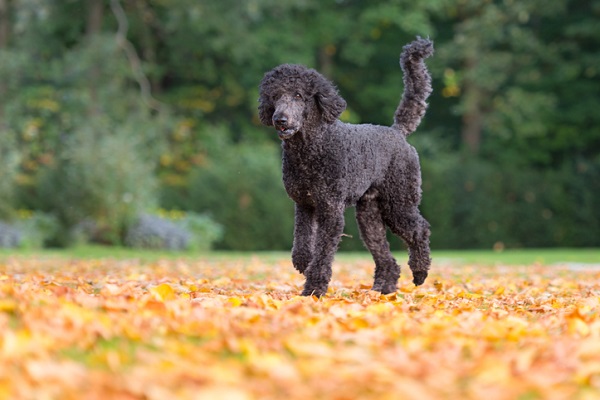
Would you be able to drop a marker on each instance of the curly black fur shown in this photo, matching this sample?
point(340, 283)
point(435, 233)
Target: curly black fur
point(329, 165)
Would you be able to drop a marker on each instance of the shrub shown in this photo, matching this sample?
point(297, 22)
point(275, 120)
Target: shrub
point(28, 230)
point(174, 230)
point(10, 236)
point(37, 228)
point(478, 204)
point(241, 187)
point(9, 160)
point(100, 176)
point(154, 232)
point(205, 231)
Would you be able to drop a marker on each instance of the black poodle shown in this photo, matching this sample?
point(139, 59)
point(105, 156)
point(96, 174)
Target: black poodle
point(329, 165)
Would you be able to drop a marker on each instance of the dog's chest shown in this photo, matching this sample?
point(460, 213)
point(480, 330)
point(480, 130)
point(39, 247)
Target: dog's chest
point(306, 178)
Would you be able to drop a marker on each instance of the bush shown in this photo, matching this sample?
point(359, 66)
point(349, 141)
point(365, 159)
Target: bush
point(572, 200)
point(100, 176)
point(154, 232)
point(37, 228)
point(205, 231)
point(242, 189)
point(174, 230)
point(28, 230)
point(478, 204)
point(9, 160)
point(10, 236)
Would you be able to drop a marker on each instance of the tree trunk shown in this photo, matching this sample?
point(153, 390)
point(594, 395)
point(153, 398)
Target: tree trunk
point(473, 115)
point(94, 17)
point(325, 59)
point(94, 26)
point(148, 42)
point(4, 23)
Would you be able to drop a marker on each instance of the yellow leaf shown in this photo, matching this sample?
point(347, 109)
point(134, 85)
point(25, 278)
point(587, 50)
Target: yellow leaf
point(358, 323)
point(523, 360)
point(17, 344)
point(274, 366)
point(223, 393)
point(587, 372)
point(577, 325)
point(470, 296)
point(589, 349)
point(309, 349)
point(235, 301)
point(493, 371)
point(494, 331)
point(8, 305)
point(223, 281)
point(163, 292)
point(380, 308)
point(5, 390)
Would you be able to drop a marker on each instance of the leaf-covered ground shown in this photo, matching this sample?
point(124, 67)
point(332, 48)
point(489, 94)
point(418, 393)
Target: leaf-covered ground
point(235, 329)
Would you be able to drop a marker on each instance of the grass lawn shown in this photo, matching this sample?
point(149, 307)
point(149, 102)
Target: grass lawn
point(486, 257)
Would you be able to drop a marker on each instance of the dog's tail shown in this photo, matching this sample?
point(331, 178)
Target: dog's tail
point(417, 85)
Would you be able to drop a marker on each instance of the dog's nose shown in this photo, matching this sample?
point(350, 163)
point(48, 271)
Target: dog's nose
point(280, 120)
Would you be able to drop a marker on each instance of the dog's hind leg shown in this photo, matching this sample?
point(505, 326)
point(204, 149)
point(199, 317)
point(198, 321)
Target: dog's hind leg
point(330, 226)
point(372, 232)
point(304, 237)
point(410, 225)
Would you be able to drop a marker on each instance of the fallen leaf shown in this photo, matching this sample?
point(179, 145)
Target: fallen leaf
point(236, 328)
point(163, 292)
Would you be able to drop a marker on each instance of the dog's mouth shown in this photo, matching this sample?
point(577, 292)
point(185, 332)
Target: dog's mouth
point(285, 132)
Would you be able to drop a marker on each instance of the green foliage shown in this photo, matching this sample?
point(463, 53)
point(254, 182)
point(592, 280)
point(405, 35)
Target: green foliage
point(9, 159)
point(475, 204)
point(205, 231)
point(173, 230)
point(99, 176)
point(88, 145)
point(28, 230)
point(37, 228)
point(515, 83)
point(241, 188)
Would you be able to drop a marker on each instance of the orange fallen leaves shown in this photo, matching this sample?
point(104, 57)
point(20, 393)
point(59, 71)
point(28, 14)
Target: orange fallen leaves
point(237, 330)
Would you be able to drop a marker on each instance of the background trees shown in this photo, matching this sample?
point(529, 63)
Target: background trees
point(153, 104)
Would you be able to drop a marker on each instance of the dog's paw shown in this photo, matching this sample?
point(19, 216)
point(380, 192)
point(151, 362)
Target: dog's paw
point(384, 288)
point(314, 292)
point(314, 288)
point(419, 277)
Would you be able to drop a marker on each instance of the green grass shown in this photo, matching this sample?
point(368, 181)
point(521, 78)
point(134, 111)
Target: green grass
point(485, 257)
point(521, 256)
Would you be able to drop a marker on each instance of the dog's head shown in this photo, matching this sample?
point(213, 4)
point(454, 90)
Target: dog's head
point(293, 97)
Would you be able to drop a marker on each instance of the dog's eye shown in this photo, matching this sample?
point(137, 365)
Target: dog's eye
point(298, 96)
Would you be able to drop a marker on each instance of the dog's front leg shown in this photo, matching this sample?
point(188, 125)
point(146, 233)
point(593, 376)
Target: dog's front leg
point(329, 229)
point(304, 237)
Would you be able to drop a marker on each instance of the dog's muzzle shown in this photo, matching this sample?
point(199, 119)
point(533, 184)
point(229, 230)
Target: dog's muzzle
point(283, 129)
point(285, 133)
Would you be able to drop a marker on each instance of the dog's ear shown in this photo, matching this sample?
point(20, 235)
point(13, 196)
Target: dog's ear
point(265, 110)
point(330, 103)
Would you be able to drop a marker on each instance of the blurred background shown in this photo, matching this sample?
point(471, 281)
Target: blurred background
point(134, 122)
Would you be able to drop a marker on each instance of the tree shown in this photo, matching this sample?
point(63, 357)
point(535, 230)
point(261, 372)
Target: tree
point(516, 65)
point(515, 91)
